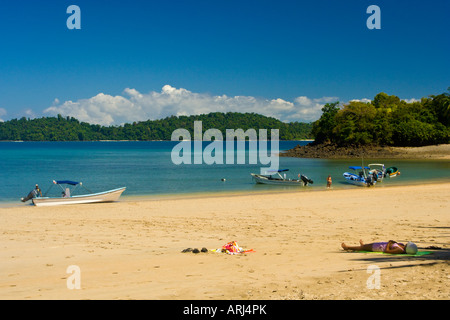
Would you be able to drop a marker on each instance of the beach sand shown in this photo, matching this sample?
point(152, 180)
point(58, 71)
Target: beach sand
point(441, 151)
point(132, 249)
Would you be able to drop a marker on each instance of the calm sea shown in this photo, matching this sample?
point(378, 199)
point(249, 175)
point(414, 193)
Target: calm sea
point(146, 169)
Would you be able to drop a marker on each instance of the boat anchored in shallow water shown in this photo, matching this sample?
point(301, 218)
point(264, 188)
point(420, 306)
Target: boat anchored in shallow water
point(275, 177)
point(392, 172)
point(382, 172)
point(68, 197)
point(361, 177)
point(378, 171)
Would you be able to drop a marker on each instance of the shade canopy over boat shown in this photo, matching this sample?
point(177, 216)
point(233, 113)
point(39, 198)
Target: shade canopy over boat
point(376, 165)
point(72, 183)
point(358, 168)
point(275, 171)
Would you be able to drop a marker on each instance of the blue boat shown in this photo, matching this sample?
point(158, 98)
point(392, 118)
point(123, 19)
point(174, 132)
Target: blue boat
point(360, 176)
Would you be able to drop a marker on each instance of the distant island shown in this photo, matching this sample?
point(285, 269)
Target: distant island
point(70, 129)
point(386, 127)
point(372, 127)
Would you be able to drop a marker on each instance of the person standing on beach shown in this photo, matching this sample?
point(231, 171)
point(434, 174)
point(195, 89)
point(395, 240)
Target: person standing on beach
point(329, 182)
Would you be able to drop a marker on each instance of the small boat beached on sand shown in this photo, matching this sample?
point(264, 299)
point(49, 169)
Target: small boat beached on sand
point(270, 178)
point(68, 197)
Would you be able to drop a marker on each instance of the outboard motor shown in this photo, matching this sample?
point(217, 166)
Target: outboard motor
point(369, 180)
point(375, 176)
point(306, 180)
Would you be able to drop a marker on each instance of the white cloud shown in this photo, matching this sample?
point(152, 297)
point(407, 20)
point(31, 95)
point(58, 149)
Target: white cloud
point(101, 109)
point(136, 106)
point(365, 100)
point(30, 114)
point(308, 109)
point(412, 100)
point(2, 113)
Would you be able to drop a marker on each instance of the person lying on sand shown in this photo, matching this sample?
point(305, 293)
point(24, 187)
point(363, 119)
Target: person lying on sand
point(388, 247)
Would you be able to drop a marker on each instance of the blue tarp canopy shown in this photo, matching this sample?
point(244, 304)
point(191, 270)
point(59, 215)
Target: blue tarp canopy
point(358, 168)
point(73, 183)
point(282, 170)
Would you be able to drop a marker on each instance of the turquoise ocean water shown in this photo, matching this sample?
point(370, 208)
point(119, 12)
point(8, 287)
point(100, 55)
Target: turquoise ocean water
point(146, 169)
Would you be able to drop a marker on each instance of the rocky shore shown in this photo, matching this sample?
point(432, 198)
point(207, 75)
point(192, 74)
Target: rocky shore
point(332, 151)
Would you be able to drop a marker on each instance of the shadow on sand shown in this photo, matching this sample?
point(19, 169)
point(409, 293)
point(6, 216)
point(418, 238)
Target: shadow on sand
point(436, 257)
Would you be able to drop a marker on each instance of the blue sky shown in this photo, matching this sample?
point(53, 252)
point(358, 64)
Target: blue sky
point(134, 60)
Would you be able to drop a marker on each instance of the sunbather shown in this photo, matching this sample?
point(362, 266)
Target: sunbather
point(388, 247)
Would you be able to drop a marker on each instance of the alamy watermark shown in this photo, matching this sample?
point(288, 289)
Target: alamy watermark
point(213, 153)
point(374, 281)
point(74, 20)
point(74, 280)
point(374, 21)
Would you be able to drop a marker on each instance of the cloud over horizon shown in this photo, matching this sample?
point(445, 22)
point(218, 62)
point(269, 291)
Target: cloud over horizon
point(2, 113)
point(133, 106)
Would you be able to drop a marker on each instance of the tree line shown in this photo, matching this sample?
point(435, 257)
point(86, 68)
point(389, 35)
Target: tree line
point(70, 129)
point(386, 121)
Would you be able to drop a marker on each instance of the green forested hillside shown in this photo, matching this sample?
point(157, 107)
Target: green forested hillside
point(386, 121)
point(70, 129)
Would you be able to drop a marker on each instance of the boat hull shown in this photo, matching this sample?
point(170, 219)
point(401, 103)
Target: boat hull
point(107, 196)
point(274, 181)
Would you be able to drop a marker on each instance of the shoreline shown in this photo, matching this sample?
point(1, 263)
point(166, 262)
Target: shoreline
point(238, 193)
point(132, 249)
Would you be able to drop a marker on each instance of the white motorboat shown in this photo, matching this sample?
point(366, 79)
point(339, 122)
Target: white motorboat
point(275, 178)
point(377, 170)
point(68, 197)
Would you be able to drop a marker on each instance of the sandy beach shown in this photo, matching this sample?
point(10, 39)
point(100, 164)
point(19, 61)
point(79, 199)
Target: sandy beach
point(132, 249)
